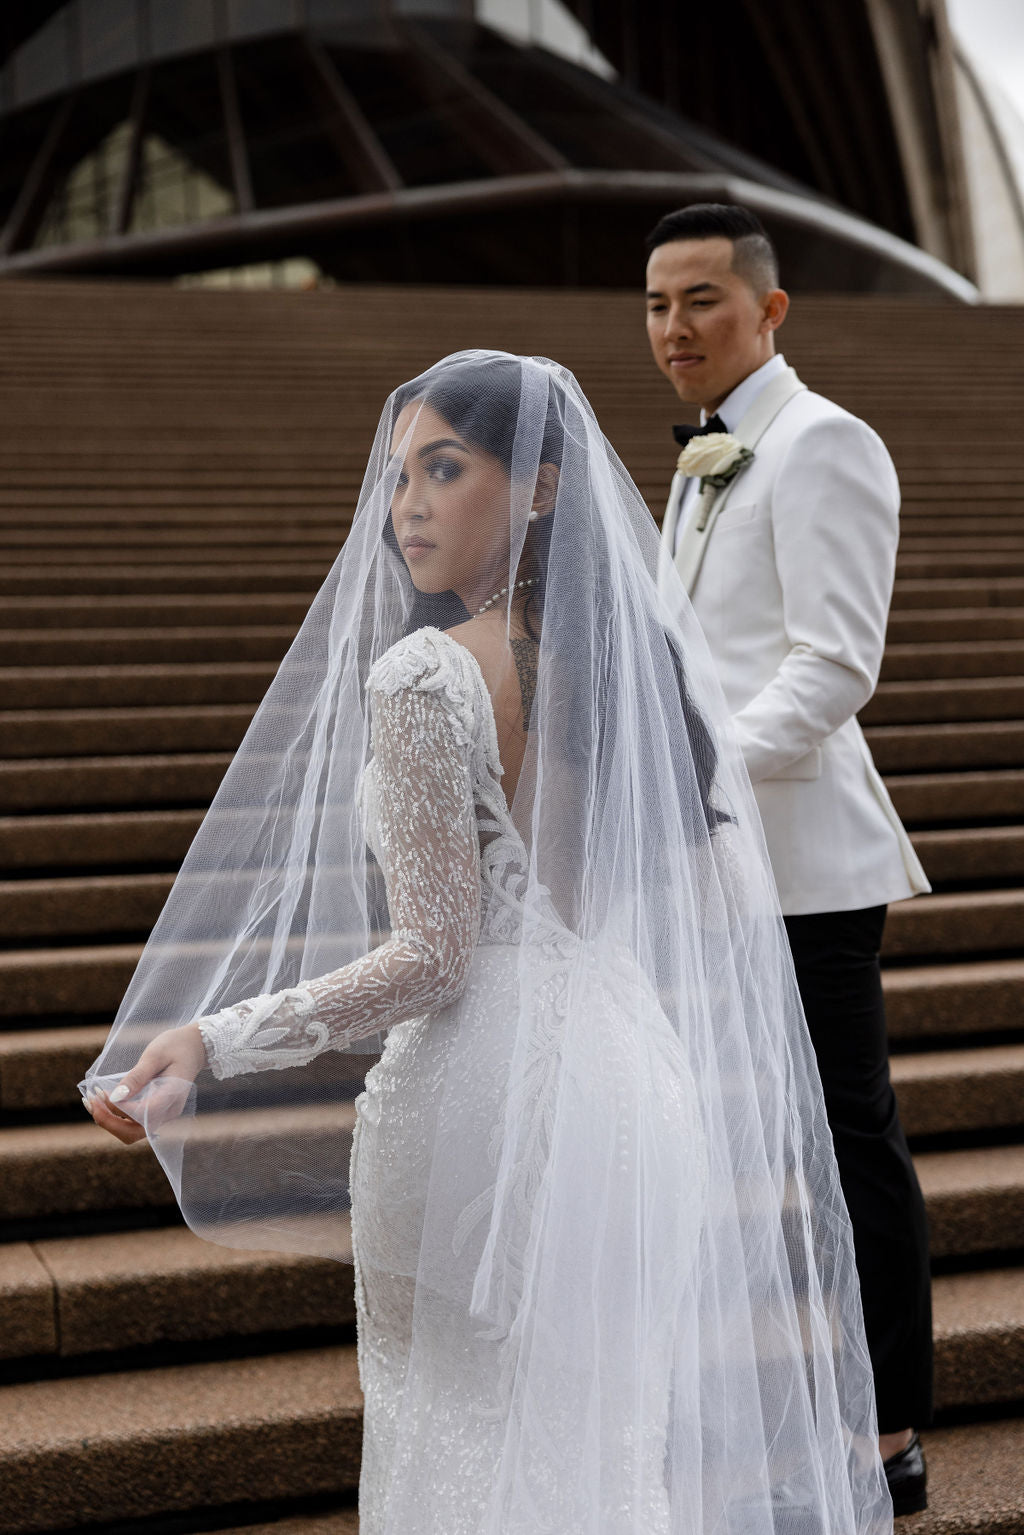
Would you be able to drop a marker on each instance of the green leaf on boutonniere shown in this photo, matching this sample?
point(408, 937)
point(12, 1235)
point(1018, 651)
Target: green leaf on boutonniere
point(720, 481)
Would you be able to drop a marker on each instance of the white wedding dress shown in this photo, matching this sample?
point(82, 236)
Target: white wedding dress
point(439, 1380)
point(605, 1277)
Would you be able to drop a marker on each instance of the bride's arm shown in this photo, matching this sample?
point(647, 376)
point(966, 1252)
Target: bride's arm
point(431, 853)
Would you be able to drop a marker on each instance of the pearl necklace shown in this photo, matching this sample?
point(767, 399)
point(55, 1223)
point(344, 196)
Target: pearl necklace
point(518, 587)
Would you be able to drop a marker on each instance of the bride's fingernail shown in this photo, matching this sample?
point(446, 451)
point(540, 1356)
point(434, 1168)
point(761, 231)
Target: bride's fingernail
point(119, 1093)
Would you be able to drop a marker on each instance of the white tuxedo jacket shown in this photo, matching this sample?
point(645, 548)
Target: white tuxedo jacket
point(791, 580)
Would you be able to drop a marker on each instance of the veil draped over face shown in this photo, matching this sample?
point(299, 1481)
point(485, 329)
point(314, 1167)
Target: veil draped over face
point(625, 1184)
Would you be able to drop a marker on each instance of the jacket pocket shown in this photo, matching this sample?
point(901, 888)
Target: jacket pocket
point(805, 768)
point(734, 516)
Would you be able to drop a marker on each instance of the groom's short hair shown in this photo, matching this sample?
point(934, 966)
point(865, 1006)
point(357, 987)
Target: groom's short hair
point(753, 254)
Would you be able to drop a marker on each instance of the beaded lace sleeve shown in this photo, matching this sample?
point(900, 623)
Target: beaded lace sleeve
point(427, 826)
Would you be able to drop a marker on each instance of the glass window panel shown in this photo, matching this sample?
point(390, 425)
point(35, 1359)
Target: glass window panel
point(20, 141)
point(186, 114)
point(172, 191)
point(416, 115)
point(185, 173)
point(288, 118)
point(83, 205)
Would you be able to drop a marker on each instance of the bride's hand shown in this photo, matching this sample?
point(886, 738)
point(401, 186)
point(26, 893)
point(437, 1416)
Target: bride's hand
point(178, 1053)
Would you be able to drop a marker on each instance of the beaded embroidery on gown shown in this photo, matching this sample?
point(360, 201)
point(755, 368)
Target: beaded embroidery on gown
point(436, 1413)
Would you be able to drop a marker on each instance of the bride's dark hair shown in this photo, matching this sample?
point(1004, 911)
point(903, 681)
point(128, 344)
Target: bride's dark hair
point(481, 403)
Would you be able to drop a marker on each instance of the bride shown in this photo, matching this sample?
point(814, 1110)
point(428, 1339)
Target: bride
point(603, 1270)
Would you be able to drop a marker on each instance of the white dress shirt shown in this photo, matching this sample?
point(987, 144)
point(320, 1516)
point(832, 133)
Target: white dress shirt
point(732, 410)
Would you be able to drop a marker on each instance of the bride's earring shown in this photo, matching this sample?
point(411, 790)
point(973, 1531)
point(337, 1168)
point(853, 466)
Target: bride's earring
point(533, 516)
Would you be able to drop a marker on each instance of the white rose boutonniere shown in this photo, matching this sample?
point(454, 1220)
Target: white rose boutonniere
point(717, 458)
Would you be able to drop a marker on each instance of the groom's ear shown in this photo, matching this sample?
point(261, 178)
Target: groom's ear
point(546, 489)
point(774, 308)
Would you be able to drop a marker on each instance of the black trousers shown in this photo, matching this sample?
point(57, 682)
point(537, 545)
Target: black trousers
point(837, 969)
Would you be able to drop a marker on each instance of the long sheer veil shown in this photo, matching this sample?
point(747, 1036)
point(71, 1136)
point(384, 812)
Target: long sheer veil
point(654, 1212)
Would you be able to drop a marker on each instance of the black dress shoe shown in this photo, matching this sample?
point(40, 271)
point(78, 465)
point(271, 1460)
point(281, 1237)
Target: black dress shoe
point(907, 1475)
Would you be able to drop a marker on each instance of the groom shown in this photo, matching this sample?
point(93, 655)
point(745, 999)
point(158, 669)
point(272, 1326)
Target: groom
point(788, 557)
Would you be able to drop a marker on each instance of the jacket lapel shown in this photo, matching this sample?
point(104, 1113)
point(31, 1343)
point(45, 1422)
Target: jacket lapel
point(693, 542)
point(668, 527)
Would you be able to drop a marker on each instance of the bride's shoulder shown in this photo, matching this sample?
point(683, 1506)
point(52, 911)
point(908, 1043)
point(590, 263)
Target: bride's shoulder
point(426, 661)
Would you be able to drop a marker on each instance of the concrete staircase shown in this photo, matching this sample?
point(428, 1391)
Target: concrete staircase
point(177, 470)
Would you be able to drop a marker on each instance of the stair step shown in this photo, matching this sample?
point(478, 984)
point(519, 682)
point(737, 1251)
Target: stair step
point(978, 1324)
point(948, 700)
point(81, 1450)
point(957, 923)
point(136, 1289)
point(40, 1067)
point(64, 687)
point(925, 1001)
point(122, 837)
point(974, 1481)
point(70, 1296)
point(945, 1091)
point(913, 748)
point(79, 1169)
point(177, 779)
point(128, 645)
point(969, 592)
point(71, 556)
point(343, 1521)
point(957, 796)
point(41, 983)
point(76, 1169)
point(975, 1199)
point(100, 580)
point(991, 535)
point(979, 659)
point(211, 610)
point(917, 626)
point(82, 905)
point(968, 853)
point(205, 533)
point(974, 1484)
point(63, 479)
point(970, 563)
point(88, 732)
point(954, 1001)
point(27, 1303)
point(938, 1091)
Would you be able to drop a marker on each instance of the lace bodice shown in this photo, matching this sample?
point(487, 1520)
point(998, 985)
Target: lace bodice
point(431, 802)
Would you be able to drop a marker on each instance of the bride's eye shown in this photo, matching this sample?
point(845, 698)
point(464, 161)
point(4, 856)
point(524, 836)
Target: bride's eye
point(443, 470)
point(402, 482)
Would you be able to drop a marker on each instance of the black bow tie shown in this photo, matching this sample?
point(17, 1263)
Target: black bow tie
point(682, 434)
